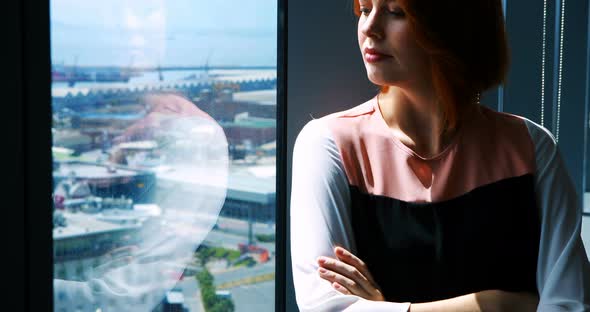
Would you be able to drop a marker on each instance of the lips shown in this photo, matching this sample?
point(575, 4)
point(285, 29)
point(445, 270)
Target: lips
point(373, 55)
point(374, 51)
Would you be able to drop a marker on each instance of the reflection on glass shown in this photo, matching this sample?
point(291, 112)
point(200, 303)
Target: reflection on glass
point(164, 143)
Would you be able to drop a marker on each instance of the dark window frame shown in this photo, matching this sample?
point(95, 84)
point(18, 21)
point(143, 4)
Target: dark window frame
point(37, 169)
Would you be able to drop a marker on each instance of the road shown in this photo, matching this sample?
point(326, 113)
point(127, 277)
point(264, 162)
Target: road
point(254, 297)
point(190, 290)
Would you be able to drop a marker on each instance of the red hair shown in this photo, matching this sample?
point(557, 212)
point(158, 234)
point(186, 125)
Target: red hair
point(467, 45)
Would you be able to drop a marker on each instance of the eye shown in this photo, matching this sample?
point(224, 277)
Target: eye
point(397, 12)
point(365, 11)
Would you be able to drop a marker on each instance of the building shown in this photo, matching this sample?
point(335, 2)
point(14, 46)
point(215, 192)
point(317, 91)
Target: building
point(86, 243)
point(251, 193)
point(107, 180)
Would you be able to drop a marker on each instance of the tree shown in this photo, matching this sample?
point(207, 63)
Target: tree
point(205, 278)
point(204, 256)
point(223, 305)
point(211, 301)
point(208, 296)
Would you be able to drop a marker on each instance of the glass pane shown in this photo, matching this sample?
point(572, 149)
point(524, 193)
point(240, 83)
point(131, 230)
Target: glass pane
point(164, 141)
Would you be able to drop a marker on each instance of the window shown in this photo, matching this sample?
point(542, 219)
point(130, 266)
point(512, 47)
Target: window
point(164, 153)
point(343, 84)
point(549, 82)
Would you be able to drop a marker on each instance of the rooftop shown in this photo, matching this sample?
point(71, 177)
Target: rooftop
point(82, 224)
point(266, 97)
point(254, 182)
point(85, 170)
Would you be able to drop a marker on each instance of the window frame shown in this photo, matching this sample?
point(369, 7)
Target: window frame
point(14, 231)
point(37, 169)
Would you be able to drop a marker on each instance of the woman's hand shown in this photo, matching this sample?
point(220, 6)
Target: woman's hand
point(349, 275)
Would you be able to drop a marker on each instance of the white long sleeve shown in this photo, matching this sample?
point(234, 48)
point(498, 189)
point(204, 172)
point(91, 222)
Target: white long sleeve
point(563, 272)
point(320, 220)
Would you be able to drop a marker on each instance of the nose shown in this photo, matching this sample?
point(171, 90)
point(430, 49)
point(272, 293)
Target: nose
point(371, 27)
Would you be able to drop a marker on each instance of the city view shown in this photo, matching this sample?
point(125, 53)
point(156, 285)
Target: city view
point(164, 156)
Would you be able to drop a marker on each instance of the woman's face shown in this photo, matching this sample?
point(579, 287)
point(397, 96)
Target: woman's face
point(390, 52)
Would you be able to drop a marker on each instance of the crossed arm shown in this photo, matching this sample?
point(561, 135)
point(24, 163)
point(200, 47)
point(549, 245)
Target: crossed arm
point(349, 275)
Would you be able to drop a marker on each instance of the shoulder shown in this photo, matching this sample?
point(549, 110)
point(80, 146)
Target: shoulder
point(546, 149)
point(315, 143)
point(506, 140)
point(519, 130)
point(365, 108)
point(525, 133)
point(542, 140)
point(316, 157)
point(541, 136)
point(505, 124)
point(513, 124)
point(324, 130)
point(349, 125)
point(315, 132)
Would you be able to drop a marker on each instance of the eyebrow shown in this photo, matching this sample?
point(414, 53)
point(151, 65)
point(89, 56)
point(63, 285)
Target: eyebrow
point(379, 1)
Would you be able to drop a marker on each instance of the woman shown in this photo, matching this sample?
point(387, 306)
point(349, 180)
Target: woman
point(421, 199)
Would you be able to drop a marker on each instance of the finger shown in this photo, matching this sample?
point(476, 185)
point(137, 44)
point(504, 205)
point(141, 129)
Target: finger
point(349, 258)
point(344, 281)
point(347, 270)
point(341, 289)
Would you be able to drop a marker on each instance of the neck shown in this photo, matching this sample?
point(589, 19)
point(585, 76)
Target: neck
point(415, 119)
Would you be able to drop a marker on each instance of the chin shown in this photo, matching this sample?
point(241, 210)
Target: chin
point(381, 80)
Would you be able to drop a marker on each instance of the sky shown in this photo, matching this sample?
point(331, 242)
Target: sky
point(164, 32)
